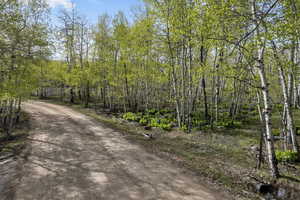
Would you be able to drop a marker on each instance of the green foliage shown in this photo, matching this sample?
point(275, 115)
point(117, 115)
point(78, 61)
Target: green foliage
point(143, 121)
point(160, 123)
point(199, 122)
point(278, 107)
point(276, 131)
point(152, 111)
point(184, 128)
point(286, 156)
point(229, 124)
point(154, 122)
point(130, 116)
point(297, 131)
point(166, 127)
point(152, 118)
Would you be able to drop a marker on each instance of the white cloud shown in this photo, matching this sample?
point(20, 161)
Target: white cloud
point(64, 3)
point(54, 3)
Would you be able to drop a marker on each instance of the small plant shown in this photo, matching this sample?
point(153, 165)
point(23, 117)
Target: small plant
point(154, 122)
point(164, 111)
point(166, 127)
point(286, 156)
point(143, 121)
point(229, 124)
point(199, 122)
point(276, 131)
point(278, 106)
point(184, 128)
point(160, 123)
point(170, 117)
point(164, 121)
point(130, 116)
point(237, 124)
point(151, 111)
point(297, 130)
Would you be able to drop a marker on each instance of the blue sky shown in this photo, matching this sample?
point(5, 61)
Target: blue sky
point(93, 8)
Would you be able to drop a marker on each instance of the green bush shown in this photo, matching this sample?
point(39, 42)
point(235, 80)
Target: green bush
point(130, 116)
point(254, 112)
point(286, 156)
point(151, 111)
point(164, 121)
point(153, 118)
point(184, 128)
point(237, 124)
point(278, 107)
point(244, 112)
point(166, 127)
point(154, 122)
point(297, 130)
point(143, 121)
point(199, 122)
point(224, 115)
point(160, 123)
point(229, 124)
point(170, 117)
point(276, 131)
point(164, 111)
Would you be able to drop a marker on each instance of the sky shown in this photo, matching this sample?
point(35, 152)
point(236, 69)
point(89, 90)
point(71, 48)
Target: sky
point(93, 8)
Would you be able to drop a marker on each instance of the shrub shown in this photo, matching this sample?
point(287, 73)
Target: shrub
point(199, 122)
point(153, 118)
point(130, 116)
point(153, 122)
point(160, 123)
point(164, 121)
point(170, 117)
point(229, 124)
point(151, 111)
point(297, 130)
point(276, 131)
point(237, 123)
point(184, 128)
point(143, 121)
point(253, 112)
point(166, 127)
point(164, 111)
point(244, 112)
point(286, 156)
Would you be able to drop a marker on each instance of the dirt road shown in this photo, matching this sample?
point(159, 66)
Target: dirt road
point(72, 156)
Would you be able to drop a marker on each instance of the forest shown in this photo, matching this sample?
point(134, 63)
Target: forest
point(192, 65)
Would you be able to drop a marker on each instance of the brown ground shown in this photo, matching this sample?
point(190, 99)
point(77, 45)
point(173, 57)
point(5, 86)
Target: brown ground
point(72, 156)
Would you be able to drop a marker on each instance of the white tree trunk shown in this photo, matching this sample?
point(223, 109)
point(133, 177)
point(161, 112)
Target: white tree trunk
point(287, 105)
point(267, 111)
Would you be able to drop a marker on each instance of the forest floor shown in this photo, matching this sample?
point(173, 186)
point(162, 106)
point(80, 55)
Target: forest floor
point(73, 156)
point(223, 157)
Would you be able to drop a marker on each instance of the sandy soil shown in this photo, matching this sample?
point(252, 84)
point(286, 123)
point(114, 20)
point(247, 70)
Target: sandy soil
point(72, 156)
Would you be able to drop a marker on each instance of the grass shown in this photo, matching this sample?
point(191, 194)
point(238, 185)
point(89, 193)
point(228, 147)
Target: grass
point(221, 157)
